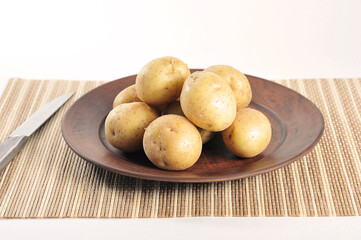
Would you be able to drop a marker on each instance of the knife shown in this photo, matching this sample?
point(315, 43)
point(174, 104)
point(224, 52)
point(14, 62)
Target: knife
point(10, 147)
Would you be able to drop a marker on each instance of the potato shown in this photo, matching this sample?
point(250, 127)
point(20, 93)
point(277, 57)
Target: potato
point(208, 101)
point(126, 123)
point(205, 135)
point(175, 108)
point(172, 142)
point(127, 95)
point(249, 134)
point(237, 81)
point(160, 81)
point(160, 108)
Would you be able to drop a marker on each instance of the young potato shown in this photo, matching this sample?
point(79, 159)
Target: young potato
point(237, 81)
point(175, 108)
point(249, 134)
point(160, 81)
point(208, 101)
point(127, 95)
point(126, 123)
point(172, 142)
point(161, 108)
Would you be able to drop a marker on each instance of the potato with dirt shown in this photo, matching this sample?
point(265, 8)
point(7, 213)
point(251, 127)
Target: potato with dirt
point(160, 81)
point(249, 134)
point(172, 142)
point(175, 108)
point(127, 95)
point(237, 81)
point(208, 101)
point(126, 123)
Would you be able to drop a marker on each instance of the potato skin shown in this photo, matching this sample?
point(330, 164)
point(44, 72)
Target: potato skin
point(160, 81)
point(127, 95)
point(237, 81)
point(175, 108)
point(172, 142)
point(126, 123)
point(208, 101)
point(249, 134)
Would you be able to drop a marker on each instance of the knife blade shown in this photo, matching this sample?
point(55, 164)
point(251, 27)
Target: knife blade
point(10, 147)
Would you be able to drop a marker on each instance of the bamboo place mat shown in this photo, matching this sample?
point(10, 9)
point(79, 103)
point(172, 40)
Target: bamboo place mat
point(47, 180)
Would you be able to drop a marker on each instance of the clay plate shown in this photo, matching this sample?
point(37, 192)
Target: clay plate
point(297, 125)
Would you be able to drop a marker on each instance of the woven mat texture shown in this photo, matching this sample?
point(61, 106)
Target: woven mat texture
point(47, 180)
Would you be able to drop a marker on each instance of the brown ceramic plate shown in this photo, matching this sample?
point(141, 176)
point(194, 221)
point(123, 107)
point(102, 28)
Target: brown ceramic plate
point(297, 125)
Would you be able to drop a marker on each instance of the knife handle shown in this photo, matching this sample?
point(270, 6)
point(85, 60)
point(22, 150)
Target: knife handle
point(9, 148)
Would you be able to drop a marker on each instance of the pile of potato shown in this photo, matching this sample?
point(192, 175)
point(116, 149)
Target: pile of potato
point(171, 113)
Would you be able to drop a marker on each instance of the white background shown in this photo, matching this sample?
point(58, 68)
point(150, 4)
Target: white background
point(105, 40)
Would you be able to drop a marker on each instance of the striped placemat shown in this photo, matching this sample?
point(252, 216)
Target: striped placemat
point(47, 180)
